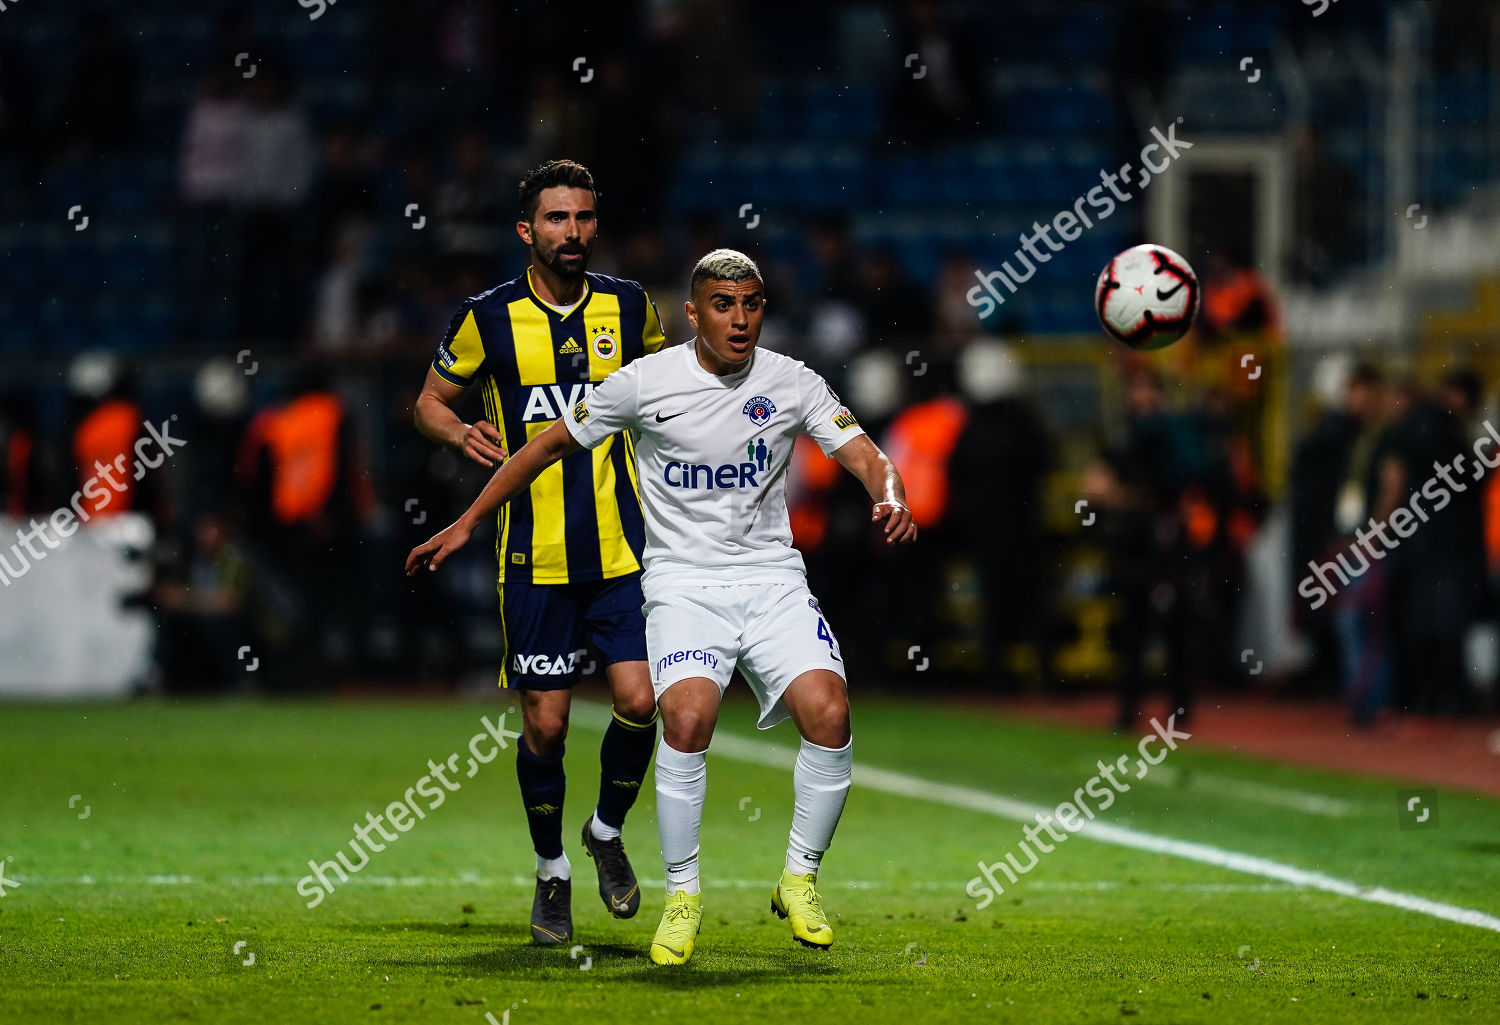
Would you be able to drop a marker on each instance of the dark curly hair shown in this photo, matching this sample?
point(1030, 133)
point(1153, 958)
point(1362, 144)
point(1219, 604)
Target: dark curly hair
point(553, 173)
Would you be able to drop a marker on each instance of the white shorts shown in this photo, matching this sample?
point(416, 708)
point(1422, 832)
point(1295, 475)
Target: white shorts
point(773, 632)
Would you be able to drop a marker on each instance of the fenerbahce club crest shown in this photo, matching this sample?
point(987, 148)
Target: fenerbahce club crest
point(759, 410)
point(605, 345)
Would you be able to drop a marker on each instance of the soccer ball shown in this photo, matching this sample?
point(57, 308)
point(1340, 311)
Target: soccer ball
point(1147, 297)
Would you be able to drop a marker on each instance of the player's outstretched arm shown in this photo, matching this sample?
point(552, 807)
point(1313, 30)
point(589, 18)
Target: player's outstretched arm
point(874, 469)
point(513, 477)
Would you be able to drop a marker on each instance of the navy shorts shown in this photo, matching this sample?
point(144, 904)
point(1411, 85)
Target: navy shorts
point(550, 627)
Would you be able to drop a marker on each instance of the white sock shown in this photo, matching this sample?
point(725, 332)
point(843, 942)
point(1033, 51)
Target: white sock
point(553, 868)
point(820, 783)
point(681, 788)
point(601, 831)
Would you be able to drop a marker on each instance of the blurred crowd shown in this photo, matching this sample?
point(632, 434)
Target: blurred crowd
point(320, 249)
point(1406, 626)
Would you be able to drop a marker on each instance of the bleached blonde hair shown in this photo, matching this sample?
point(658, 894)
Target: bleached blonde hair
point(724, 265)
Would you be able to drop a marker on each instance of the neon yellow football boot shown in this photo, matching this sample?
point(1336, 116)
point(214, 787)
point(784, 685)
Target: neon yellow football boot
point(680, 922)
point(795, 898)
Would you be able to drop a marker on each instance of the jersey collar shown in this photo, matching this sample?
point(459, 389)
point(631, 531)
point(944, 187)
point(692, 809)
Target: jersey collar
point(723, 380)
point(547, 308)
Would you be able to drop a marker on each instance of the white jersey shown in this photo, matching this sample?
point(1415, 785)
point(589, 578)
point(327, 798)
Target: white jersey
point(712, 455)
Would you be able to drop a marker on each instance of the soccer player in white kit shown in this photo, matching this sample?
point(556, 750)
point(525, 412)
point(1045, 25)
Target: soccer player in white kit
point(712, 424)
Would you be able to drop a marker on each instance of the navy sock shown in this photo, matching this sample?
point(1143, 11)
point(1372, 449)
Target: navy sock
point(543, 784)
point(623, 759)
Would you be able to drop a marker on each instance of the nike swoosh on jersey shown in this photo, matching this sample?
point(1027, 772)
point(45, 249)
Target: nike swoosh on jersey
point(663, 419)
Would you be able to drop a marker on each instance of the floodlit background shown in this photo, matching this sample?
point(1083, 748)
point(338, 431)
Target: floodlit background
point(215, 209)
point(232, 235)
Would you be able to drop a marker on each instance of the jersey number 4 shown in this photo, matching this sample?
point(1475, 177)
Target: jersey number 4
point(825, 635)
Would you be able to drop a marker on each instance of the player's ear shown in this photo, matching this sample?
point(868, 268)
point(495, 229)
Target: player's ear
point(692, 313)
point(524, 230)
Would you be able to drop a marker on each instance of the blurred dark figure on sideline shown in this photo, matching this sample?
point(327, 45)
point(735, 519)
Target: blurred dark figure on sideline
point(107, 468)
point(830, 520)
point(1220, 513)
point(311, 498)
point(1439, 586)
point(1140, 482)
point(897, 311)
point(999, 463)
point(1237, 298)
point(1361, 609)
point(920, 440)
point(1321, 485)
point(203, 597)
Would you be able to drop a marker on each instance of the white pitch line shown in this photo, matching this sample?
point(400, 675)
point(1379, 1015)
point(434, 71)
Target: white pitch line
point(1215, 785)
point(758, 752)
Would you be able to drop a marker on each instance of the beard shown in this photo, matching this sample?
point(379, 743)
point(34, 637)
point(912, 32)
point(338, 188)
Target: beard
point(553, 260)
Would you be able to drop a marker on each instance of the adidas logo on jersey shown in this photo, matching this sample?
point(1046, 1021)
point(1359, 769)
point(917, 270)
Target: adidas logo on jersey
point(569, 347)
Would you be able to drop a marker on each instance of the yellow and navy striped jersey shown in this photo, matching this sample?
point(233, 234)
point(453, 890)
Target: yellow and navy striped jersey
point(581, 519)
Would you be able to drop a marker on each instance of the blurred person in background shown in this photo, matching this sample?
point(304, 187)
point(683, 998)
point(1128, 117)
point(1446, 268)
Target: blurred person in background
point(210, 169)
point(1221, 512)
point(920, 441)
point(829, 515)
point(897, 312)
point(203, 597)
point(1439, 571)
point(1139, 483)
point(109, 423)
point(279, 161)
point(835, 318)
point(1002, 457)
point(472, 207)
point(1361, 610)
point(1238, 299)
point(338, 327)
point(346, 190)
point(221, 393)
point(311, 500)
point(1329, 492)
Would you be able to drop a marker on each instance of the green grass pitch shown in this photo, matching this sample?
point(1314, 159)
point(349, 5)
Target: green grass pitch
point(151, 848)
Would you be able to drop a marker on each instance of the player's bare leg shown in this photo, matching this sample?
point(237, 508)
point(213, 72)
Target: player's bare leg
point(539, 770)
point(689, 711)
point(624, 756)
point(819, 705)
